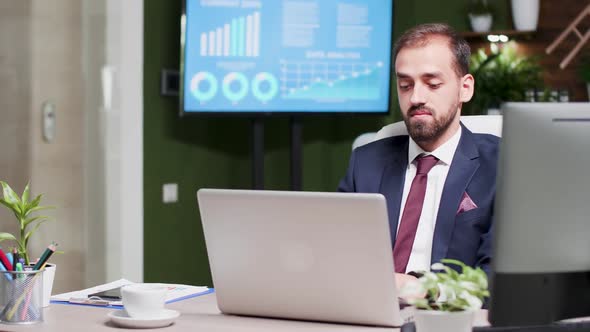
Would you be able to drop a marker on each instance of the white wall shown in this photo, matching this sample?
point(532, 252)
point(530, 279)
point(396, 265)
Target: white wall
point(40, 61)
point(56, 168)
point(15, 81)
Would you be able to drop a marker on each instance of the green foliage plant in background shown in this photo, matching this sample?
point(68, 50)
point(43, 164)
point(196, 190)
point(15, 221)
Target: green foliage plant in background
point(501, 76)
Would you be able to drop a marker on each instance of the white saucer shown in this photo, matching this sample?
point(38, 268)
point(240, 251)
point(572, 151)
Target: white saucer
point(121, 318)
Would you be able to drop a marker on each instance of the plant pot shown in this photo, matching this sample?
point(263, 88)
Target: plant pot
point(48, 277)
point(443, 321)
point(480, 22)
point(525, 14)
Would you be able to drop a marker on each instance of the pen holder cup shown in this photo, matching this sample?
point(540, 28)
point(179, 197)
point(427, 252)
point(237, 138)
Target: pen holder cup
point(21, 297)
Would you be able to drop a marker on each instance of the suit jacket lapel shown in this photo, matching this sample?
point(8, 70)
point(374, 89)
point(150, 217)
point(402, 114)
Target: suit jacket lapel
point(392, 183)
point(465, 163)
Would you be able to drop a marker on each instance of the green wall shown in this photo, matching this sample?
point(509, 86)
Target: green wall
point(201, 152)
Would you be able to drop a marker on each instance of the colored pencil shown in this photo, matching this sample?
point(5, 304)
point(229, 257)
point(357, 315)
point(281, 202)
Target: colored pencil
point(4, 260)
point(15, 257)
point(48, 252)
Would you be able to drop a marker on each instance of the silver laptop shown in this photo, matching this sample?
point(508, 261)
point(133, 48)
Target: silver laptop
point(301, 255)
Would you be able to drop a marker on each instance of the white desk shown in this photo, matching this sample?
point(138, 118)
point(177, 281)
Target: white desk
point(197, 314)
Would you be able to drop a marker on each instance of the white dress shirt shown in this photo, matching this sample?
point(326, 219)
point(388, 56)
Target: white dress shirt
point(422, 248)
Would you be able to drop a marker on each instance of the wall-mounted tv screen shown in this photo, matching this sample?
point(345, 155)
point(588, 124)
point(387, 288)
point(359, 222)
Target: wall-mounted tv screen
point(286, 56)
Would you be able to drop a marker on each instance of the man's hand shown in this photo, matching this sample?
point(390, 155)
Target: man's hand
point(401, 280)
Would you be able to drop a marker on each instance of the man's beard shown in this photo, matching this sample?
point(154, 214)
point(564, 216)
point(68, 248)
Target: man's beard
point(426, 131)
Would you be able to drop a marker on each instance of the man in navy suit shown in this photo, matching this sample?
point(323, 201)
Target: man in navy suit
point(443, 210)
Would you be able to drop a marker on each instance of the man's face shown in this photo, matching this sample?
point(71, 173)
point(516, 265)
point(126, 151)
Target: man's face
point(430, 92)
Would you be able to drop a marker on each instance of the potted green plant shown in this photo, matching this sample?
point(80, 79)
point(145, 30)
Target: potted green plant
point(584, 72)
point(480, 15)
point(451, 298)
point(500, 76)
point(24, 209)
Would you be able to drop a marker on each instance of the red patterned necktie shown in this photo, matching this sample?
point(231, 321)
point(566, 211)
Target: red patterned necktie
point(412, 210)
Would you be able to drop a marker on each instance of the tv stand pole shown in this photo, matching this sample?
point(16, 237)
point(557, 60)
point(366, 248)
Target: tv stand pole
point(296, 153)
point(258, 153)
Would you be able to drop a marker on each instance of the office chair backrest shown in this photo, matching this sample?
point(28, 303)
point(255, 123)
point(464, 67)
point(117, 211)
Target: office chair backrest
point(483, 124)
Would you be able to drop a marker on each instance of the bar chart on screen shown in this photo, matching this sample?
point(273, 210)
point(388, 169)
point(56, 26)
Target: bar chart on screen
point(239, 37)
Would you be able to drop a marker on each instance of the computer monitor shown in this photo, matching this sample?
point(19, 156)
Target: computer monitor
point(541, 266)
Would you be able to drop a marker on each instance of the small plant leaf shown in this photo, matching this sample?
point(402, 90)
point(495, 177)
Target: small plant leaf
point(9, 194)
point(38, 208)
point(437, 266)
point(35, 202)
point(7, 236)
point(26, 192)
point(32, 219)
point(454, 262)
point(420, 303)
point(9, 205)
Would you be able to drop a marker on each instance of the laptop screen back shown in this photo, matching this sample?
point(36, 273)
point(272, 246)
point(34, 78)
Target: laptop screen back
point(301, 255)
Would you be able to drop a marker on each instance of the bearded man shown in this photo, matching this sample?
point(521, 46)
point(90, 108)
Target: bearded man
point(439, 182)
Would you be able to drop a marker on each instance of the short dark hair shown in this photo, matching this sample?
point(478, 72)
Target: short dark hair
point(419, 36)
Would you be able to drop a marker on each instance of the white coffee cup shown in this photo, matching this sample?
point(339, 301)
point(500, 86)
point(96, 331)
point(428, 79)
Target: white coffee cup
point(144, 300)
